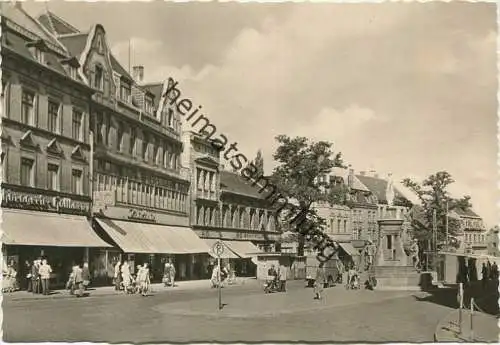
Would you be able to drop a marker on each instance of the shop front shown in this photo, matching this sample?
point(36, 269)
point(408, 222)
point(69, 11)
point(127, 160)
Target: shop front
point(155, 244)
point(45, 226)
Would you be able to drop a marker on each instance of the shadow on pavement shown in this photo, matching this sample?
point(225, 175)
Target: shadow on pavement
point(446, 297)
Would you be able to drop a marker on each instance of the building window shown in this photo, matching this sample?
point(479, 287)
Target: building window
point(39, 56)
point(170, 117)
point(339, 228)
point(145, 145)
point(53, 177)
point(119, 137)
point(77, 125)
point(5, 98)
point(54, 108)
point(133, 139)
point(76, 182)
point(98, 78)
point(27, 172)
point(125, 92)
point(345, 226)
point(148, 105)
point(28, 108)
point(72, 72)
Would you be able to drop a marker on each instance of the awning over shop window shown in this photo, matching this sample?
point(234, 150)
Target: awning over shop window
point(349, 249)
point(134, 237)
point(228, 252)
point(244, 249)
point(34, 228)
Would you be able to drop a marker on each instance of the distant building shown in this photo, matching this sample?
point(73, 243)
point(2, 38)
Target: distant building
point(473, 234)
point(492, 241)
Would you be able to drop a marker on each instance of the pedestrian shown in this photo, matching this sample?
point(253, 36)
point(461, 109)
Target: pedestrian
point(172, 273)
point(45, 270)
point(490, 270)
point(144, 279)
point(484, 277)
point(35, 276)
point(77, 281)
point(117, 276)
point(126, 276)
point(282, 276)
point(215, 276)
point(494, 272)
point(86, 275)
point(6, 281)
point(27, 274)
point(319, 281)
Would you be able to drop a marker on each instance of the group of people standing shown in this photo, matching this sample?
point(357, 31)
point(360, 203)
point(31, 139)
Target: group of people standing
point(489, 272)
point(130, 284)
point(38, 276)
point(226, 275)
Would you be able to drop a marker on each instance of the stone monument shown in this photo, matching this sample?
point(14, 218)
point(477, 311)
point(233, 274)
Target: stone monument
point(392, 267)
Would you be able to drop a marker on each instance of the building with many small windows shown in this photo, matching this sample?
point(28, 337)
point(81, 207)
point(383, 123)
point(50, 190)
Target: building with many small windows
point(473, 234)
point(140, 191)
point(46, 195)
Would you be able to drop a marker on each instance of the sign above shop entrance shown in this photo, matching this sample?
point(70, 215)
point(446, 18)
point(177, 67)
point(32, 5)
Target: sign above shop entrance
point(41, 202)
point(142, 215)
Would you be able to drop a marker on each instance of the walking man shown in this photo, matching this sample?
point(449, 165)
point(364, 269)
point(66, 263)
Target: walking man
point(283, 275)
point(86, 275)
point(45, 270)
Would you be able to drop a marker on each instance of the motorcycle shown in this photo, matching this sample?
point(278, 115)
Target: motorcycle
point(271, 286)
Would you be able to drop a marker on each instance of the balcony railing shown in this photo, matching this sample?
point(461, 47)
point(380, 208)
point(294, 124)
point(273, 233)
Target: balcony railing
point(132, 192)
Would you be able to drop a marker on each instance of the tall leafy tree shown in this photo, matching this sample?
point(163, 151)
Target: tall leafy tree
point(434, 195)
point(301, 164)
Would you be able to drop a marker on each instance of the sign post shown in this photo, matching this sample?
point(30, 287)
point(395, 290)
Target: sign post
point(461, 305)
point(218, 249)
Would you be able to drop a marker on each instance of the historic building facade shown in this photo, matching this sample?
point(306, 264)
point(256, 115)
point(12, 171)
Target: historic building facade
point(473, 232)
point(140, 192)
point(46, 195)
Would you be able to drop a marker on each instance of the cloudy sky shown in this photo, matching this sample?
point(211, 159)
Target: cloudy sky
point(406, 88)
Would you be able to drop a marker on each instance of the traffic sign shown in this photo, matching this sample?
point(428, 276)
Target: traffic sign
point(218, 248)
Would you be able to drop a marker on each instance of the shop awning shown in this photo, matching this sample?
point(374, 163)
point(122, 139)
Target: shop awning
point(227, 254)
point(134, 237)
point(244, 249)
point(34, 228)
point(349, 249)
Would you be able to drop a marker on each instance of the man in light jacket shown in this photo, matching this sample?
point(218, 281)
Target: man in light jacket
point(283, 271)
point(45, 270)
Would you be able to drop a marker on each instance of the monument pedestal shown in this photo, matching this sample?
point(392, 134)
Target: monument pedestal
point(392, 269)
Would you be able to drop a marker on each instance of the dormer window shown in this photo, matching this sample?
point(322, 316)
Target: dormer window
point(125, 91)
point(39, 56)
point(38, 49)
point(148, 105)
point(98, 78)
point(71, 64)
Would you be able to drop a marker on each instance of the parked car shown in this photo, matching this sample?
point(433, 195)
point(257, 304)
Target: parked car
point(331, 271)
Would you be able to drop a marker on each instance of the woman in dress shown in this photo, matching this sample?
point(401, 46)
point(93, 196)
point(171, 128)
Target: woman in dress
point(319, 283)
point(143, 276)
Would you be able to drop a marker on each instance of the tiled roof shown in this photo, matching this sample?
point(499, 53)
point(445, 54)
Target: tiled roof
point(378, 187)
point(118, 68)
point(155, 89)
point(466, 213)
point(19, 16)
point(344, 174)
point(235, 183)
point(56, 25)
point(75, 44)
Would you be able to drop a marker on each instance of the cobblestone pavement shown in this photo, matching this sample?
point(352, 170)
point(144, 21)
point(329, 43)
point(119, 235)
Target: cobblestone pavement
point(341, 316)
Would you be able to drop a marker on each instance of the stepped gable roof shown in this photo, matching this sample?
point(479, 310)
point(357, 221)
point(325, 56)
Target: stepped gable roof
point(18, 15)
point(466, 213)
point(234, 183)
point(56, 25)
point(378, 187)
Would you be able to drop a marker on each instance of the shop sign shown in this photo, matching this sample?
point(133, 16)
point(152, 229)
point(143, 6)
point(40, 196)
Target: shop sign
point(41, 202)
point(143, 215)
point(103, 199)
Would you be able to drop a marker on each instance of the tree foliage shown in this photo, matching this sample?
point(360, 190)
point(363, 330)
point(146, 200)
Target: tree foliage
point(300, 163)
point(434, 196)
